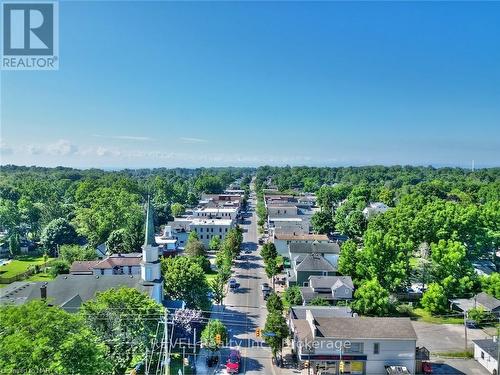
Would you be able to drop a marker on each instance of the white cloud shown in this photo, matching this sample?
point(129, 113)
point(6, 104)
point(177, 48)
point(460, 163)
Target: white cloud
point(34, 149)
point(193, 140)
point(62, 147)
point(123, 137)
point(5, 149)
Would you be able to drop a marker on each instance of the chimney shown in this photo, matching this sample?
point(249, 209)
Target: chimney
point(43, 292)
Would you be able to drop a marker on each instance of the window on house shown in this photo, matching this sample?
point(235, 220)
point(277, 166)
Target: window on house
point(220, 236)
point(305, 283)
point(482, 355)
point(355, 347)
point(220, 230)
point(130, 270)
point(376, 348)
point(226, 229)
point(102, 271)
point(325, 273)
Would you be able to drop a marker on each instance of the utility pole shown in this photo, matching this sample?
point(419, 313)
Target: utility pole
point(166, 355)
point(498, 346)
point(465, 329)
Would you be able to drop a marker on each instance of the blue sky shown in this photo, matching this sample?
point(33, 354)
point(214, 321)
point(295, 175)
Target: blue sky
point(147, 84)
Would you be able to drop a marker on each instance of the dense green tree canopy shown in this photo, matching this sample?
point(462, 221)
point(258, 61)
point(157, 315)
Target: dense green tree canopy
point(371, 299)
point(38, 339)
point(58, 232)
point(209, 335)
point(126, 320)
point(185, 280)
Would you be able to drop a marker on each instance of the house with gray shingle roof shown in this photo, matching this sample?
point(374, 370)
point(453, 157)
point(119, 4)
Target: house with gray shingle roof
point(486, 353)
point(364, 345)
point(304, 266)
point(70, 291)
point(481, 300)
point(332, 288)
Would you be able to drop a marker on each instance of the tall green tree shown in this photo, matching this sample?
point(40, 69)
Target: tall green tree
point(322, 222)
point(371, 299)
point(126, 320)
point(14, 244)
point(194, 247)
point(218, 284)
point(58, 232)
point(274, 304)
point(37, 338)
point(215, 243)
point(177, 209)
point(104, 210)
point(292, 296)
point(209, 335)
point(276, 325)
point(434, 299)
point(385, 258)
point(72, 253)
point(185, 280)
point(348, 258)
point(491, 284)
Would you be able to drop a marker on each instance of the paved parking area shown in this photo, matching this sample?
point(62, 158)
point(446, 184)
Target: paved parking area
point(439, 338)
point(457, 367)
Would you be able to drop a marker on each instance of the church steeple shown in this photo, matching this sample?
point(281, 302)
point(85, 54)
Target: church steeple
point(150, 265)
point(150, 226)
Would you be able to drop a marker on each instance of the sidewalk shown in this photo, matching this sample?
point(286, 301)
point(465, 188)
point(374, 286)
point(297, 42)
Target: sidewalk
point(201, 363)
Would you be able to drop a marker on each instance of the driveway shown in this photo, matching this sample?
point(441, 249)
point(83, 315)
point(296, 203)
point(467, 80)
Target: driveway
point(439, 338)
point(453, 366)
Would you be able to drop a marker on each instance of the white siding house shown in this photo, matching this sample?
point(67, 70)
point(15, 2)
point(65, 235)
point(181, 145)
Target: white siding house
point(361, 345)
point(485, 352)
point(208, 228)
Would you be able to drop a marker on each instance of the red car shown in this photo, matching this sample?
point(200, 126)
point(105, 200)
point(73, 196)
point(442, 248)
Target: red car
point(233, 362)
point(426, 368)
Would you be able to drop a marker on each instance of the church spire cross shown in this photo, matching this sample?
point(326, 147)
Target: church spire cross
point(150, 227)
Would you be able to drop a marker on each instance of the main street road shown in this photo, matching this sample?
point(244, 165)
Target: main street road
point(245, 309)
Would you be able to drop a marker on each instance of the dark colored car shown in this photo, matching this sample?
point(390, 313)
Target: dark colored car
point(212, 360)
point(471, 324)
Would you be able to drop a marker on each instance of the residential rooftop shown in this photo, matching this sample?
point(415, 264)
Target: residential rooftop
point(358, 328)
point(314, 247)
point(300, 237)
point(201, 221)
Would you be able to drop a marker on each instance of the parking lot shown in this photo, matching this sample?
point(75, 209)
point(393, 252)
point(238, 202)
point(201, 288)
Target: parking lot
point(440, 338)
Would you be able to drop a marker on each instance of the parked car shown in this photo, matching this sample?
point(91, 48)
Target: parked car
point(233, 362)
point(265, 286)
point(426, 367)
point(471, 324)
point(247, 251)
point(212, 360)
point(233, 283)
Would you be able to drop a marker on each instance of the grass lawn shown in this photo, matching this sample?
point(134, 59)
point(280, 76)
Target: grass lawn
point(210, 275)
point(40, 277)
point(467, 354)
point(427, 317)
point(20, 265)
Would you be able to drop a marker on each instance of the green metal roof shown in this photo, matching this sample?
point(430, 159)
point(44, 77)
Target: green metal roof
point(150, 226)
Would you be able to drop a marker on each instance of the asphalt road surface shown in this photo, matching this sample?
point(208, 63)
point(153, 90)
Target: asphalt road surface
point(245, 308)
